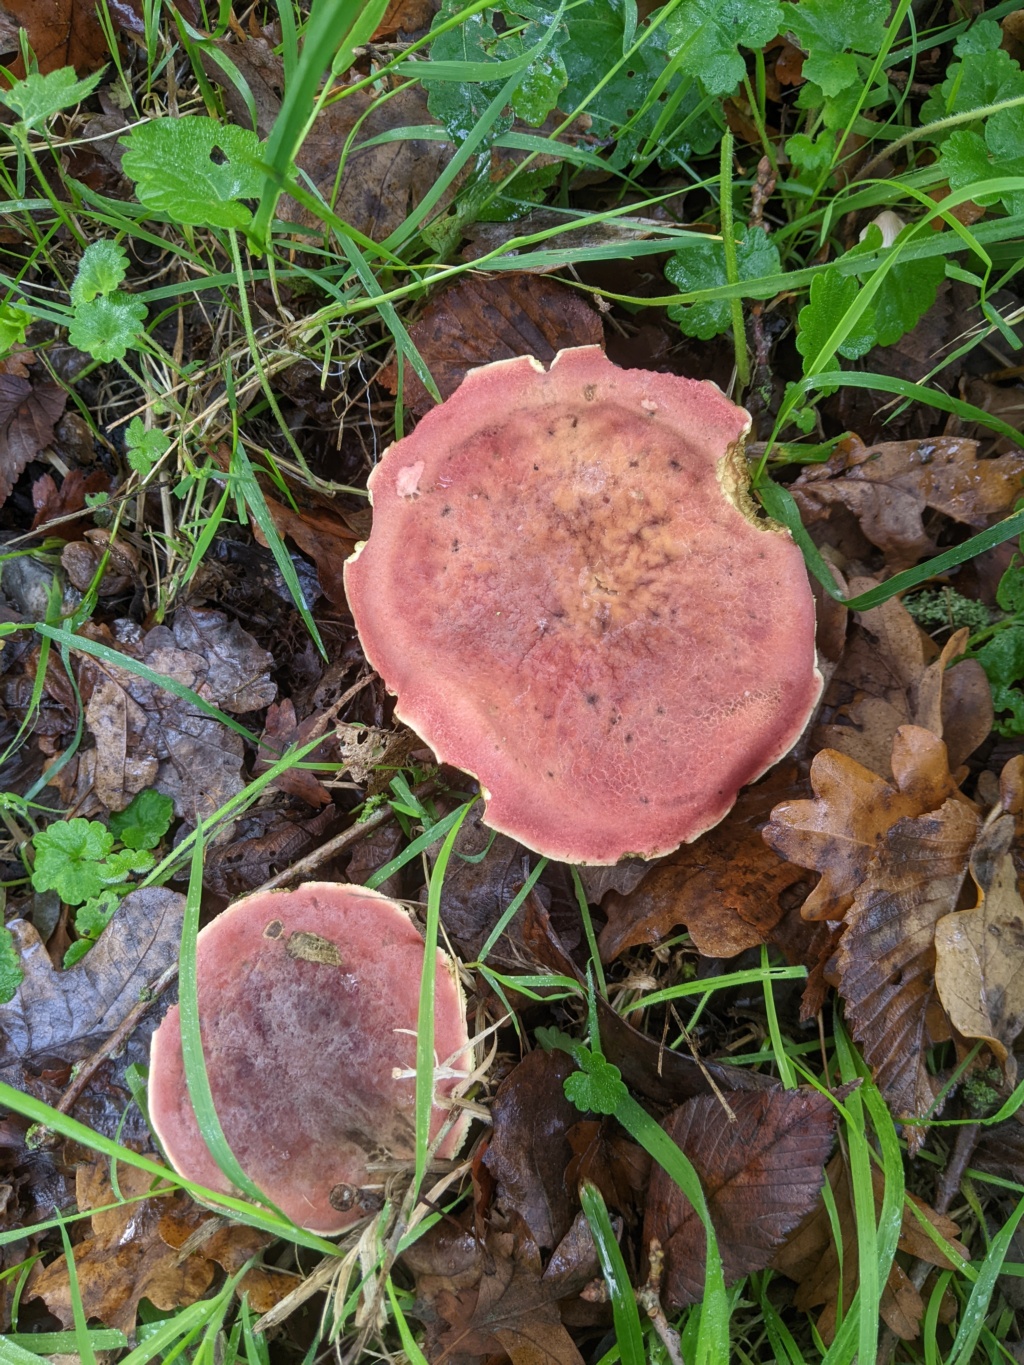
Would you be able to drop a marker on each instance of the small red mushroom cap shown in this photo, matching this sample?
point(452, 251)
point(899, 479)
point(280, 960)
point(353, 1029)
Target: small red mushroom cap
point(308, 1005)
point(574, 598)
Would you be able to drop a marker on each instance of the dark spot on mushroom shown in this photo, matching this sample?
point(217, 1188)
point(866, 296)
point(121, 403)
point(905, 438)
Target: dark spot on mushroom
point(455, 547)
point(446, 510)
point(575, 423)
point(629, 739)
point(589, 391)
point(674, 464)
point(592, 698)
point(659, 710)
point(634, 464)
point(550, 774)
point(343, 1197)
point(536, 467)
point(274, 929)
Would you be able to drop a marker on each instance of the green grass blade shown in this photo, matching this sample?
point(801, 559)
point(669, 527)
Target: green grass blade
point(628, 1332)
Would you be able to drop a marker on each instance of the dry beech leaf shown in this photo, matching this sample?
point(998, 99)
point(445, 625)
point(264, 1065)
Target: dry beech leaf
point(724, 887)
point(529, 1150)
point(760, 1174)
point(979, 970)
point(477, 320)
point(56, 1014)
point(812, 1258)
point(889, 486)
point(886, 957)
point(839, 831)
point(405, 16)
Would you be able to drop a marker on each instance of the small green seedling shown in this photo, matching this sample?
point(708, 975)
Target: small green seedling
point(106, 322)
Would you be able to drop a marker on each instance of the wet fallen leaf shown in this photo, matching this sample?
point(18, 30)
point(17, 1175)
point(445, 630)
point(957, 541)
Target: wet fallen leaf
point(725, 887)
point(58, 1014)
point(822, 1262)
point(494, 1301)
point(281, 730)
point(604, 1155)
point(260, 844)
point(888, 487)
point(30, 408)
point(321, 534)
point(480, 319)
point(52, 502)
point(886, 958)
point(529, 1151)
point(979, 970)
point(839, 831)
point(61, 33)
point(405, 16)
point(760, 1174)
point(134, 1252)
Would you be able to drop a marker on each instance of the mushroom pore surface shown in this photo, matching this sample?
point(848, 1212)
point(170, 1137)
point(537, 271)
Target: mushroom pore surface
point(570, 592)
point(303, 999)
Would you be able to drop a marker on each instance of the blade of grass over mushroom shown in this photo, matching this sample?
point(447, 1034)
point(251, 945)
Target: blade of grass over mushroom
point(334, 30)
point(196, 1077)
point(629, 1335)
point(779, 504)
point(425, 1080)
point(54, 1121)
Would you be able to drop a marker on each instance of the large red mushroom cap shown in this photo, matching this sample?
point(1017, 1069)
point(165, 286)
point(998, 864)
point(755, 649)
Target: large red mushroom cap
point(308, 1003)
point(573, 596)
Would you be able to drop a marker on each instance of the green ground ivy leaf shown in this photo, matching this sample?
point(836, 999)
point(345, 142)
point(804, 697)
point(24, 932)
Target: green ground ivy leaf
point(11, 975)
point(811, 157)
point(831, 32)
point(38, 97)
point(68, 860)
point(102, 268)
point(832, 294)
point(172, 163)
point(905, 295)
point(143, 448)
point(598, 1088)
point(107, 327)
point(147, 818)
point(709, 33)
point(599, 31)
point(1002, 658)
point(701, 265)
point(14, 323)
point(984, 75)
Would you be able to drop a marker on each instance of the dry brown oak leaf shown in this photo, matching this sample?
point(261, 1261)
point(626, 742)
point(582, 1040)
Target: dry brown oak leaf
point(812, 1258)
point(891, 674)
point(885, 963)
point(838, 832)
point(133, 1252)
point(979, 968)
point(724, 887)
point(889, 486)
point(761, 1174)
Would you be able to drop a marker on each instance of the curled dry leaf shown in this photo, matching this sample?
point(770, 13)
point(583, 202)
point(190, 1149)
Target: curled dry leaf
point(979, 970)
point(889, 486)
point(478, 319)
point(133, 1252)
point(823, 1264)
point(760, 1174)
point(724, 887)
point(57, 1014)
point(886, 957)
point(839, 831)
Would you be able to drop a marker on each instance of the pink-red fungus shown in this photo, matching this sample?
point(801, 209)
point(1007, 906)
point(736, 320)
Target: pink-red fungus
point(571, 593)
point(308, 1003)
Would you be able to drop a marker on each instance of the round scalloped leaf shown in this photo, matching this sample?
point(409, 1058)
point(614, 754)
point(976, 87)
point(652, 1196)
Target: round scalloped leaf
point(172, 162)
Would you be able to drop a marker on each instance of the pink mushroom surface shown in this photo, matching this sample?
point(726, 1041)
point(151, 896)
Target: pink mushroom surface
point(308, 1003)
point(570, 591)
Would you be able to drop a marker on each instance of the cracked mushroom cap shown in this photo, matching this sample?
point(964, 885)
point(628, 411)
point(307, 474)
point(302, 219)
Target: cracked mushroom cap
point(574, 598)
point(308, 1002)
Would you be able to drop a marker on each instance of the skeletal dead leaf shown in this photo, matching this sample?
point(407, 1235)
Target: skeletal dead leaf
point(56, 1014)
point(133, 1251)
point(724, 887)
point(886, 957)
point(760, 1174)
point(838, 832)
point(529, 1151)
point(480, 319)
point(889, 486)
point(821, 1262)
point(979, 970)
point(122, 768)
point(30, 408)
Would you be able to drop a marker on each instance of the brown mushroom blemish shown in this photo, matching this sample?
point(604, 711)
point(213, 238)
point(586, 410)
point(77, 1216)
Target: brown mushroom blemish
point(309, 1036)
point(633, 566)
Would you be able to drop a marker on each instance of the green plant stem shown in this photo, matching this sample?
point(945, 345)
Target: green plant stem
point(739, 335)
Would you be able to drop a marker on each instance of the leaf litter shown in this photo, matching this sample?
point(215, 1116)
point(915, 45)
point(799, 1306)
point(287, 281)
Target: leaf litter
point(896, 803)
